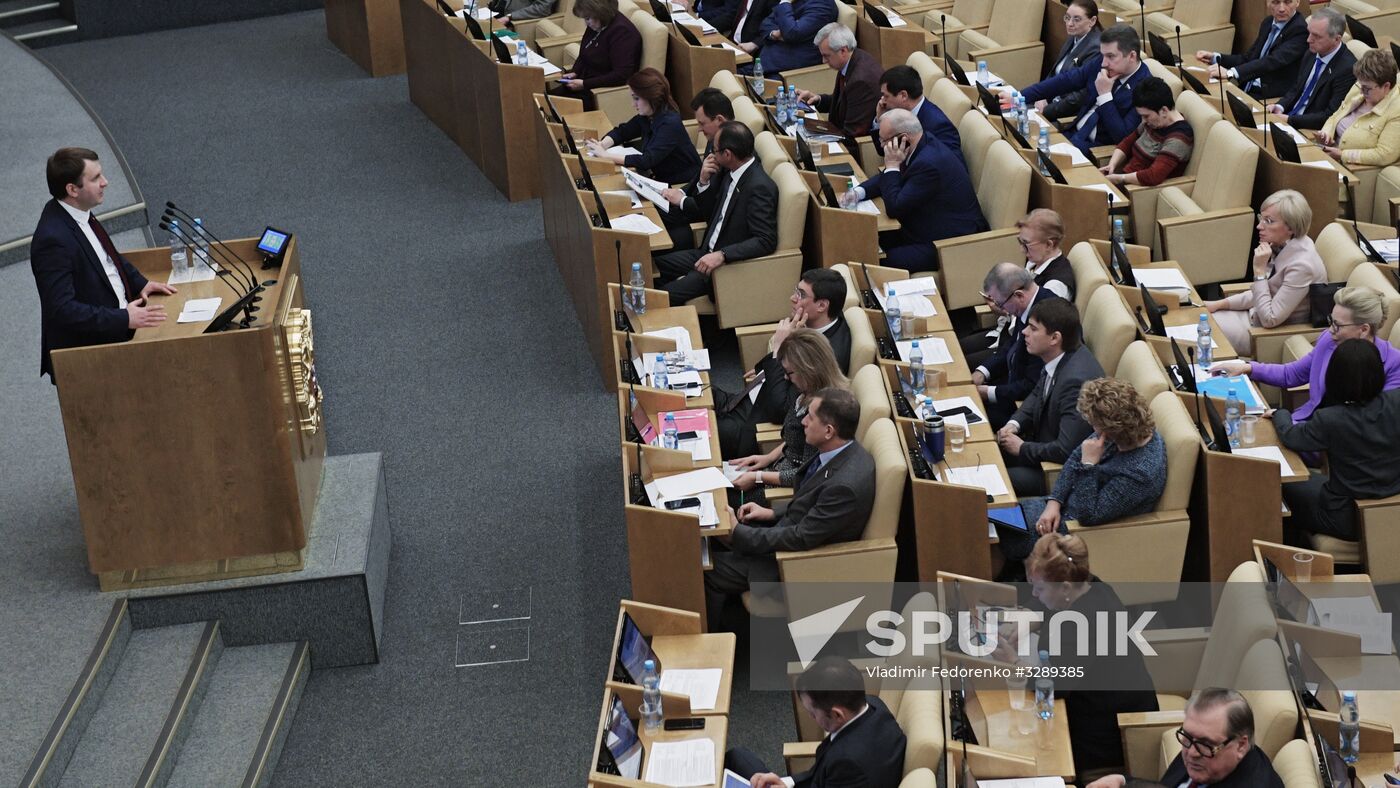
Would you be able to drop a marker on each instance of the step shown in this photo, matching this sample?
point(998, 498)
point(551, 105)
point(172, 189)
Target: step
point(249, 706)
point(12, 11)
point(44, 32)
point(154, 690)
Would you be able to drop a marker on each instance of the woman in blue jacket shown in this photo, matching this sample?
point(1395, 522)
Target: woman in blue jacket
point(667, 152)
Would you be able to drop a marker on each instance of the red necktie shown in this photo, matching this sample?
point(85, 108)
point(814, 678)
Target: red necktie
point(111, 251)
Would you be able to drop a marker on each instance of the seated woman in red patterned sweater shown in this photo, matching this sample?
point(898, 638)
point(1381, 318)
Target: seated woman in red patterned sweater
point(1160, 147)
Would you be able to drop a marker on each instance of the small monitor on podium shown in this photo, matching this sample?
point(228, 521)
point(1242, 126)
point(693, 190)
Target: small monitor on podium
point(273, 246)
point(1192, 82)
point(1284, 145)
point(633, 651)
point(687, 35)
point(620, 752)
point(877, 16)
point(1160, 51)
point(1244, 116)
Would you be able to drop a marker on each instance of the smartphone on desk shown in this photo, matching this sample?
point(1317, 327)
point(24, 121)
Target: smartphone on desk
point(684, 724)
point(964, 411)
point(683, 503)
point(687, 436)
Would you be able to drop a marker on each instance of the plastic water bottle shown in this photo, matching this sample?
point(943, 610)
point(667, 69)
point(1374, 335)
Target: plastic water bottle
point(850, 199)
point(637, 288)
point(201, 244)
point(1118, 239)
point(1044, 146)
point(658, 373)
point(1023, 116)
point(668, 433)
point(522, 54)
point(1203, 342)
point(984, 77)
point(892, 315)
point(1234, 410)
point(1349, 726)
point(757, 80)
point(179, 255)
point(916, 368)
point(800, 126)
point(651, 697)
point(1045, 689)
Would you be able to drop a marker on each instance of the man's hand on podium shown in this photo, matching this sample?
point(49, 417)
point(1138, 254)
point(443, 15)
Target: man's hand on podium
point(157, 288)
point(139, 315)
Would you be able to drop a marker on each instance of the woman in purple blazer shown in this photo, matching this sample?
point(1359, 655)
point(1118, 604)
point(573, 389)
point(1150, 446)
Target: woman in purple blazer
point(1358, 313)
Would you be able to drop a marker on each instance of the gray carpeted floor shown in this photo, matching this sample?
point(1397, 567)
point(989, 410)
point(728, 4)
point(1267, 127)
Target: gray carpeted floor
point(444, 340)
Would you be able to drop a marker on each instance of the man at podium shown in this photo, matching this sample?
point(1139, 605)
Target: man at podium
point(89, 293)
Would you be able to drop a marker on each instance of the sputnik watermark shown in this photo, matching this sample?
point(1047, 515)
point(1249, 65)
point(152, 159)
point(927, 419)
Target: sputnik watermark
point(981, 637)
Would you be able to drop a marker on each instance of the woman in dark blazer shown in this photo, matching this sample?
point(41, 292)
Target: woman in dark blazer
point(609, 52)
point(667, 152)
point(1081, 43)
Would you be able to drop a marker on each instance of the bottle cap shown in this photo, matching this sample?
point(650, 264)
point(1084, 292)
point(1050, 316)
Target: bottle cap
point(1044, 654)
point(891, 291)
point(916, 343)
point(1348, 695)
point(1230, 393)
point(660, 357)
point(649, 665)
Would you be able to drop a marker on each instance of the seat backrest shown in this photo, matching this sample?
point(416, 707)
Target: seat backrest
point(882, 442)
point(846, 14)
point(1004, 190)
point(1387, 188)
point(766, 146)
point(654, 39)
point(1275, 710)
point(929, 71)
point(746, 113)
point(1225, 176)
point(792, 205)
point(868, 385)
point(862, 338)
point(972, 13)
point(977, 135)
point(1296, 764)
point(1165, 74)
point(1339, 252)
point(852, 292)
point(1089, 274)
point(920, 716)
point(1183, 450)
point(1141, 367)
point(1357, 48)
point(727, 83)
point(1108, 328)
point(1370, 275)
point(1243, 617)
point(1203, 13)
point(1016, 21)
point(954, 103)
point(1202, 116)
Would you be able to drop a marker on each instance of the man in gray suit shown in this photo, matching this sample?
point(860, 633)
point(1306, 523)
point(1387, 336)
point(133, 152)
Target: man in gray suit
point(1048, 427)
point(831, 503)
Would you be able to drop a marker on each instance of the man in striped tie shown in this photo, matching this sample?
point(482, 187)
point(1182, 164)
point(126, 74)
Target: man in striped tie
point(88, 292)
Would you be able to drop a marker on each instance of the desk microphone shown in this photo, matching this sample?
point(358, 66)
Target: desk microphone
point(943, 34)
point(1180, 56)
point(1196, 392)
point(170, 224)
point(445, 8)
point(215, 243)
point(1142, 17)
point(240, 290)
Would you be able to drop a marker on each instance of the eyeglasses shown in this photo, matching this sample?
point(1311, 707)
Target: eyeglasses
point(999, 304)
point(798, 293)
point(1333, 325)
point(1025, 244)
point(1202, 748)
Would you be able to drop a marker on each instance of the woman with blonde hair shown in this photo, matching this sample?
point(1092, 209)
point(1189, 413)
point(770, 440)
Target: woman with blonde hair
point(1285, 264)
point(1365, 129)
point(810, 366)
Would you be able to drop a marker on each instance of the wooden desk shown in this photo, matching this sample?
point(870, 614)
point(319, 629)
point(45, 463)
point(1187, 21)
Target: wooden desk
point(986, 453)
point(369, 32)
point(716, 730)
point(713, 650)
point(690, 68)
point(1053, 759)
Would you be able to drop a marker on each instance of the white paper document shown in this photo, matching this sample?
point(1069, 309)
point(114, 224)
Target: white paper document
point(958, 402)
point(701, 684)
point(731, 47)
point(1186, 333)
point(1388, 247)
point(895, 19)
point(918, 285)
point(199, 310)
point(648, 188)
point(623, 150)
point(1161, 278)
point(699, 447)
point(1357, 616)
point(686, 19)
point(676, 334)
point(684, 485)
point(1105, 188)
point(686, 378)
point(635, 223)
point(985, 476)
point(681, 763)
point(629, 194)
point(1024, 782)
point(699, 358)
point(1292, 132)
point(1268, 453)
point(911, 295)
point(730, 472)
point(1076, 156)
point(199, 272)
point(934, 348)
point(868, 206)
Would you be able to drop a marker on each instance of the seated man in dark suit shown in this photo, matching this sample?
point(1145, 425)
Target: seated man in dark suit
point(741, 202)
point(745, 28)
point(1270, 64)
point(831, 503)
point(787, 39)
point(1009, 374)
point(1217, 747)
point(1325, 76)
point(1109, 80)
point(926, 189)
point(864, 744)
point(1048, 426)
point(712, 110)
point(89, 294)
point(901, 87)
point(851, 105)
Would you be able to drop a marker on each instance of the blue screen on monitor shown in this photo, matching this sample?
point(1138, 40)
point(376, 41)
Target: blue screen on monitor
point(272, 241)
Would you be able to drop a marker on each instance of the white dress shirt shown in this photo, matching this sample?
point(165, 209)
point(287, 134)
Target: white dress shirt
point(1049, 382)
point(108, 264)
point(712, 234)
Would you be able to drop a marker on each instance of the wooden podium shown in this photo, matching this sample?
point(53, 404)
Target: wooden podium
point(369, 32)
point(197, 456)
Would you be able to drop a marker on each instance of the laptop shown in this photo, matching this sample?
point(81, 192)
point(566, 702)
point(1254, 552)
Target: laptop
point(1244, 116)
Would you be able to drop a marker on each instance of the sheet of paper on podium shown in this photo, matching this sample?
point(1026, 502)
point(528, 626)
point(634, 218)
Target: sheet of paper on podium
point(1076, 156)
point(1024, 782)
point(1103, 187)
point(635, 223)
point(911, 296)
point(681, 763)
point(1268, 453)
point(935, 350)
point(985, 476)
point(701, 684)
point(1169, 279)
point(199, 310)
point(1187, 334)
point(676, 334)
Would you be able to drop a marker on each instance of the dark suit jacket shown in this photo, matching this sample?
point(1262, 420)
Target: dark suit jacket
point(1332, 86)
point(611, 55)
point(777, 396)
point(1069, 105)
point(750, 226)
point(1011, 370)
point(1116, 119)
point(931, 195)
point(799, 22)
point(830, 507)
point(853, 107)
point(1255, 770)
point(1050, 424)
point(753, 23)
point(667, 151)
point(1279, 68)
point(720, 13)
point(75, 295)
point(936, 125)
point(869, 751)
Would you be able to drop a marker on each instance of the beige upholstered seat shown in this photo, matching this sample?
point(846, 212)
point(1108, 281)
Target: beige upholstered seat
point(1370, 275)
point(868, 385)
point(1011, 44)
point(769, 150)
point(929, 71)
point(617, 101)
point(964, 15)
point(1141, 367)
point(1296, 765)
point(1202, 115)
point(863, 347)
point(946, 96)
point(1142, 555)
point(749, 115)
point(977, 135)
point(727, 82)
point(1108, 327)
point(1378, 523)
point(1003, 192)
point(852, 290)
point(1206, 225)
point(1167, 75)
point(1341, 258)
point(1205, 24)
point(924, 778)
point(1387, 189)
point(1089, 273)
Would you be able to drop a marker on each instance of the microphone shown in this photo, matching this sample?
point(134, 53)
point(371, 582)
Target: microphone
point(445, 8)
point(943, 34)
point(215, 242)
point(240, 290)
point(224, 265)
point(1142, 17)
point(1180, 56)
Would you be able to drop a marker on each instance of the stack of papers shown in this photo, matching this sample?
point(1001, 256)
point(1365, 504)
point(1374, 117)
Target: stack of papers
point(911, 294)
point(1076, 156)
point(868, 206)
point(681, 763)
point(1357, 616)
point(1186, 333)
point(699, 483)
point(648, 188)
point(702, 685)
point(199, 310)
point(686, 19)
point(1389, 248)
point(1164, 279)
point(985, 476)
point(623, 150)
point(635, 223)
point(934, 348)
point(676, 334)
point(1269, 453)
point(540, 61)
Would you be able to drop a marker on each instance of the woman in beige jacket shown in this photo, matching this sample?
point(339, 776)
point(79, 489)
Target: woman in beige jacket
point(1285, 264)
point(1365, 129)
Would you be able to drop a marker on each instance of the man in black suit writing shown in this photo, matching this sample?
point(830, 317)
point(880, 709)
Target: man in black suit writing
point(833, 498)
point(741, 203)
point(1048, 426)
point(89, 293)
point(1325, 76)
point(1009, 374)
point(864, 744)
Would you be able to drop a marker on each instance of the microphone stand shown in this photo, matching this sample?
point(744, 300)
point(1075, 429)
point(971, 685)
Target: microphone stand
point(943, 34)
point(170, 223)
point(250, 296)
point(215, 242)
point(1180, 56)
point(1142, 17)
point(239, 291)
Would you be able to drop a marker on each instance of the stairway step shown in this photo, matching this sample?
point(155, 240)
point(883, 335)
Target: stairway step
point(131, 718)
point(251, 685)
point(44, 32)
point(18, 9)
